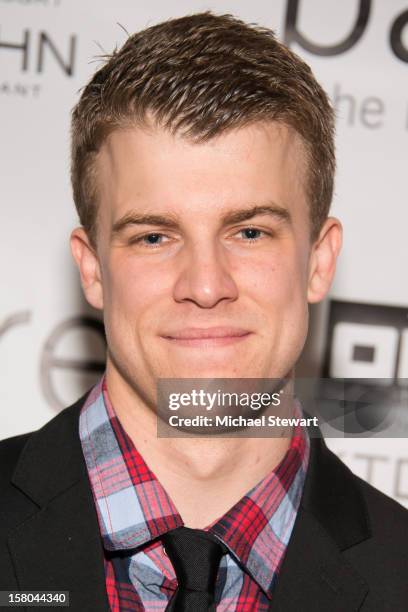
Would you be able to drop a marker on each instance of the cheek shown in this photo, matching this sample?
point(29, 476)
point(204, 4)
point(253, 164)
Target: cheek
point(130, 290)
point(281, 281)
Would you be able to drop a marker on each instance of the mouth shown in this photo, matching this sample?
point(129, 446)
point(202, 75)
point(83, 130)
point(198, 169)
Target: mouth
point(207, 337)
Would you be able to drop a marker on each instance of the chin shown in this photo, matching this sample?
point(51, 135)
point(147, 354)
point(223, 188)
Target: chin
point(208, 371)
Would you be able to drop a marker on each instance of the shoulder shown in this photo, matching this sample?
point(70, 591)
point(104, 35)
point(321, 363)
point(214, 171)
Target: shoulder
point(10, 452)
point(31, 467)
point(379, 505)
point(12, 448)
point(36, 447)
point(382, 558)
point(388, 518)
point(356, 514)
point(369, 528)
point(385, 516)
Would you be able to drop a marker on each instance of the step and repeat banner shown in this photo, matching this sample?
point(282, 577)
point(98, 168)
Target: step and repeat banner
point(52, 344)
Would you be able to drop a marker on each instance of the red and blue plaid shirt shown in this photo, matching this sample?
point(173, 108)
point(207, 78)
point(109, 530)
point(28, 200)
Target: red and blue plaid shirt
point(134, 510)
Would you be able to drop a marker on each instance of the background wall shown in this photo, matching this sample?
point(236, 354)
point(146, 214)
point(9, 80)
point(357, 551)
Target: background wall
point(51, 344)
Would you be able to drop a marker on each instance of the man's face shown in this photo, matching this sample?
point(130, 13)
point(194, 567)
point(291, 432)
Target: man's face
point(204, 266)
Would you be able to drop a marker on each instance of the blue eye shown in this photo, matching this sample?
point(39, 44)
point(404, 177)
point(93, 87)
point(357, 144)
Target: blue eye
point(251, 233)
point(152, 238)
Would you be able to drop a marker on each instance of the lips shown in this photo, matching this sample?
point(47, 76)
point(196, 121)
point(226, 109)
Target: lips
point(209, 336)
point(196, 333)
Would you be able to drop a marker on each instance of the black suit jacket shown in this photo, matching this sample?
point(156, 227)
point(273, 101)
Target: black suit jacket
point(348, 550)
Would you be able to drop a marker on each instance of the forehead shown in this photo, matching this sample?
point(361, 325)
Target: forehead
point(150, 168)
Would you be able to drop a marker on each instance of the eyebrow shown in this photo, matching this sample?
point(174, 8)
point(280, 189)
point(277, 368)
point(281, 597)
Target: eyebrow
point(171, 222)
point(274, 210)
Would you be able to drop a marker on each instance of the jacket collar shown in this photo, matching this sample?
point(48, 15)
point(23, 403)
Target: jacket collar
point(332, 495)
point(51, 461)
point(51, 550)
point(332, 518)
point(52, 473)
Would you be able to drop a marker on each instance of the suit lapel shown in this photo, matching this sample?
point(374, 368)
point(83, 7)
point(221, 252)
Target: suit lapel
point(332, 517)
point(59, 547)
point(314, 577)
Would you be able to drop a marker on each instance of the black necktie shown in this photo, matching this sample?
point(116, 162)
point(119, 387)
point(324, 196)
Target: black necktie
point(195, 555)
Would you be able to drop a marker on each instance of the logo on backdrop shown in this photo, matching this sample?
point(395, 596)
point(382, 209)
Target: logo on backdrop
point(72, 356)
point(367, 341)
point(86, 334)
point(365, 369)
point(293, 32)
point(31, 54)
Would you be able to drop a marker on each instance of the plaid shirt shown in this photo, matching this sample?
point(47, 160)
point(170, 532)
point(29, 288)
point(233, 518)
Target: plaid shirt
point(134, 510)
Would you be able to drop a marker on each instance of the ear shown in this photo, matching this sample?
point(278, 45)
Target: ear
point(322, 263)
point(87, 261)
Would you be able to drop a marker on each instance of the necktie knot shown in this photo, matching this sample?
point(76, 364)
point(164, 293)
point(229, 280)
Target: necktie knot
point(195, 555)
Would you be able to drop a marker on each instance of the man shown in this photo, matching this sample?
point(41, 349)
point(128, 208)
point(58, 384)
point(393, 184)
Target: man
point(202, 171)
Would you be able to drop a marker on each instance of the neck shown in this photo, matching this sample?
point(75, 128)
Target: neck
point(204, 477)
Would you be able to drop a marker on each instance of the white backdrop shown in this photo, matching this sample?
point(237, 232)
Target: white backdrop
point(50, 346)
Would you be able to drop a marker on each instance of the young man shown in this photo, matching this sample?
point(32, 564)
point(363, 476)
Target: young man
point(202, 171)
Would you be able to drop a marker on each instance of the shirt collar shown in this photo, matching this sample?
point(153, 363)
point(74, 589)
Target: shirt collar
point(133, 507)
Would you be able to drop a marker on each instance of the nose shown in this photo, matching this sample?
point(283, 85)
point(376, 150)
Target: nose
point(205, 278)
